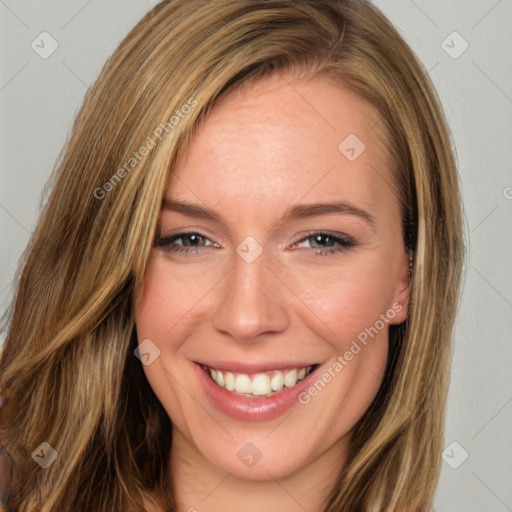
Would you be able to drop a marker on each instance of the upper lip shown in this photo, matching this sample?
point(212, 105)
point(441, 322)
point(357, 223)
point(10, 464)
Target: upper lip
point(254, 367)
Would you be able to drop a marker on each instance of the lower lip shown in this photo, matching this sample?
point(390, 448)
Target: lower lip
point(251, 409)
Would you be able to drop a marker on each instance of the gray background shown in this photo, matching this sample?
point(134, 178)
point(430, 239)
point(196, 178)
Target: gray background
point(39, 97)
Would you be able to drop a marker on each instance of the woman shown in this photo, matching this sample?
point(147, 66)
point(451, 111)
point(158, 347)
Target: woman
point(242, 291)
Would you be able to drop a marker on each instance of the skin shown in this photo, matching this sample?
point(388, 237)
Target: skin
point(269, 146)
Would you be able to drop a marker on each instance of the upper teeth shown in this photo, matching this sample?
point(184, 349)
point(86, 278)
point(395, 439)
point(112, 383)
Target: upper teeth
point(259, 384)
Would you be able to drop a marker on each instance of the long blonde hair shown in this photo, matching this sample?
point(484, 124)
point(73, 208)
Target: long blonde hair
point(67, 366)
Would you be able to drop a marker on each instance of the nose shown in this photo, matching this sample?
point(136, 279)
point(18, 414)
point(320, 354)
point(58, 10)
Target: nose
point(251, 302)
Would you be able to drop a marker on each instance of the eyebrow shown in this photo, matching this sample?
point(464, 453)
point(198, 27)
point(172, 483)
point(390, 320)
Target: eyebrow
point(295, 212)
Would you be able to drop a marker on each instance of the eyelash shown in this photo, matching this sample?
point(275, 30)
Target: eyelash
point(342, 242)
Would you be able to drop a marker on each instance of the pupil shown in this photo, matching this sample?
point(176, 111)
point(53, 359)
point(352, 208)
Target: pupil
point(192, 238)
point(318, 239)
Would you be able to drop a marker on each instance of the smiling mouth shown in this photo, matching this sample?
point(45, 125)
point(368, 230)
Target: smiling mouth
point(261, 384)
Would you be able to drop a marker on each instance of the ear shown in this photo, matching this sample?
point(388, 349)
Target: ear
point(402, 288)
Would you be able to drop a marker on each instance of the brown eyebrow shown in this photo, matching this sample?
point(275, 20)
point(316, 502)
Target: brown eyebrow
point(299, 211)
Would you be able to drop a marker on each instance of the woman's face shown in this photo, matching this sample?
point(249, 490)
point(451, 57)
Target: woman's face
point(284, 286)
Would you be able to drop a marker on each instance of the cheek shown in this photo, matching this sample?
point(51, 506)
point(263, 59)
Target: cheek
point(347, 299)
point(163, 314)
point(169, 300)
point(353, 306)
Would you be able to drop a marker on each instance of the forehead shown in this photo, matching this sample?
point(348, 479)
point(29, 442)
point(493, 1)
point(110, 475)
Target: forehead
point(278, 141)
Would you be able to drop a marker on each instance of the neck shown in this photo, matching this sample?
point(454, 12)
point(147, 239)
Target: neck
point(200, 486)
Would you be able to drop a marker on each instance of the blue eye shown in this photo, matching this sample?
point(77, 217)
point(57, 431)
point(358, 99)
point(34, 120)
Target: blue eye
point(190, 242)
point(326, 243)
